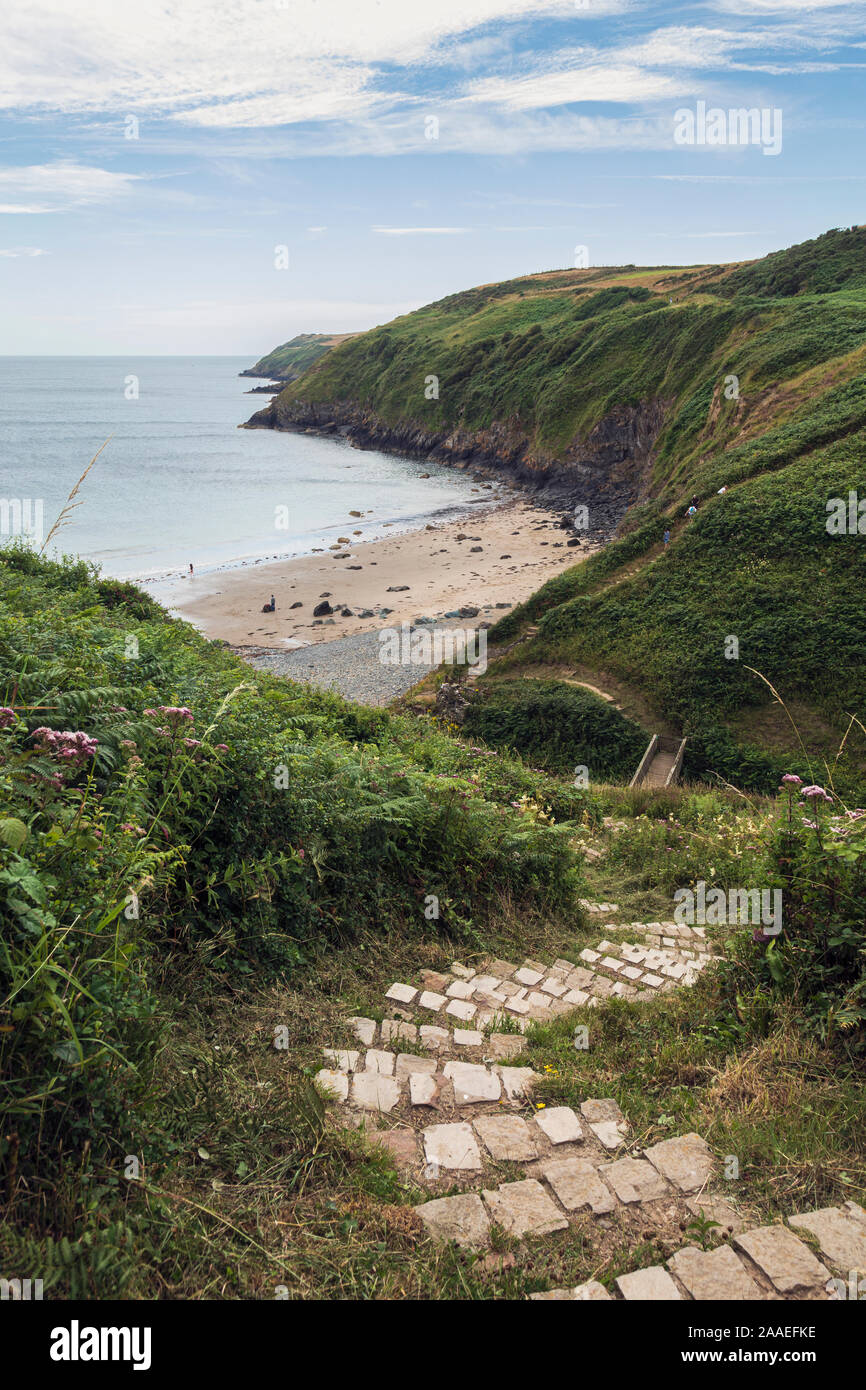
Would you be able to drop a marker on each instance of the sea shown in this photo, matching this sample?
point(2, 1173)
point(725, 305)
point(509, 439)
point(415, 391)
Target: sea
point(177, 482)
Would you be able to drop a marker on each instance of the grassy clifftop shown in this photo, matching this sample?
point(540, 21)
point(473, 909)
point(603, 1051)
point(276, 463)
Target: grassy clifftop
point(288, 361)
point(682, 382)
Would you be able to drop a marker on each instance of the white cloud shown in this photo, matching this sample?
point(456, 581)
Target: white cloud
point(564, 86)
point(782, 7)
point(339, 77)
point(13, 252)
point(58, 186)
point(233, 62)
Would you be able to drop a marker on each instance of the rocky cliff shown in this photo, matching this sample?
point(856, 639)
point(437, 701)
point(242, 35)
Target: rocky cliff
point(607, 470)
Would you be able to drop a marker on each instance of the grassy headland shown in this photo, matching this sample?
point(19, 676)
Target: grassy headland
point(657, 386)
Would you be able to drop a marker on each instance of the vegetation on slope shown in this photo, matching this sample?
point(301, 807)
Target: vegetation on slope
point(172, 904)
point(557, 725)
point(288, 361)
point(760, 373)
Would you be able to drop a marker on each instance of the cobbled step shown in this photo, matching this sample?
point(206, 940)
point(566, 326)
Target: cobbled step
point(766, 1263)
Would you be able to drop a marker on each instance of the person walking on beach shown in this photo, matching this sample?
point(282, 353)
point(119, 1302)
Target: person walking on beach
point(190, 569)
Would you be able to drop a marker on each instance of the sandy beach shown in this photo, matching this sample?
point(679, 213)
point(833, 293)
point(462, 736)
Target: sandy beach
point(426, 573)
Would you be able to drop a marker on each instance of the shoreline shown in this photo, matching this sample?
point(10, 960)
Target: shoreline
point(486, 562)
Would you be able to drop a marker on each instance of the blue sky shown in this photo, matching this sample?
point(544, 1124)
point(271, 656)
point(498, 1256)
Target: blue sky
point(306, 124)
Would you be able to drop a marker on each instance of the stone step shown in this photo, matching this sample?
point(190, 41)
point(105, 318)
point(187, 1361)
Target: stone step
point(535, 991)
point(765, 1263)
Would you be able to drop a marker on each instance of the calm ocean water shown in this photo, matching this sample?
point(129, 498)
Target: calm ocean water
point(179, 482)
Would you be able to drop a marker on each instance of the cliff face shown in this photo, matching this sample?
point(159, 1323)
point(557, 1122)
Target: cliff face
point(607, 470)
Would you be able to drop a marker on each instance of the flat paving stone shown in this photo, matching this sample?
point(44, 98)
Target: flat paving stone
point(713, 1274)
point(336, 1083)
point(560, 1124)
point(502, 969)
point(372, 1091)
point(472, 1083)
point(461, 989)
point(717, 1209)
point(407, 1064)
point(841, 1236)
point(433, 1038)
point(516, 1081)
point(501, 1046)
point(364, 1030)
point(606, 1121)
point(342, 1059)
point(462, 1219)
point(524, 1209)
point(403, 994)
point(517, 1006)
point(508, 989)
point(648, 1285)
point(787, 1262)
point(432, 1001)
point(576, 1183)
point(507, 1138)
point(633, 1180)
point(402, 1143)
point(461, 971)
point(856, 1212)
point(591, 1292)
point(379, 1061)
point(554, 987)
point(468, 1037)
point(536, 1000)
point(424, 1089)
point(602, 987)
point(462, 1009)
point(687, 1162)
point(575, 997)
point(486, 983)
point(525, 976)
point(435, 981)
point(395, 1030)
point(453, 1147)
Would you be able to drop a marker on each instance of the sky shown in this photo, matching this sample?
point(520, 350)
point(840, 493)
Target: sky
point(215, 176)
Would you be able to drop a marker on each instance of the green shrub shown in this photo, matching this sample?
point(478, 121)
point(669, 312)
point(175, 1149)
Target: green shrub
point(559, 726)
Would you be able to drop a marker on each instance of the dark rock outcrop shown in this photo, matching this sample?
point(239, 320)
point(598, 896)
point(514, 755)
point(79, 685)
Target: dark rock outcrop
point(605, 471)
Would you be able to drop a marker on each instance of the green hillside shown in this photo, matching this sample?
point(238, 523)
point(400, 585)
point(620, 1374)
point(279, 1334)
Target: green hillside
point(205, 871)
point(288, 361)
point(682, 382)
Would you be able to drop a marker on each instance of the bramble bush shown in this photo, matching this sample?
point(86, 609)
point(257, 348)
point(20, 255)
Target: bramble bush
point(819, 852)
point(162, 800)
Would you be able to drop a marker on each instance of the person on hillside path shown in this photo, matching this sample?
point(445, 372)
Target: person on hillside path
point(667, 536)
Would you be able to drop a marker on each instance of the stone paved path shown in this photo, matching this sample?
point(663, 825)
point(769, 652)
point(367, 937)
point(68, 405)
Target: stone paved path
point(767, 1262)
point(442, 1073)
